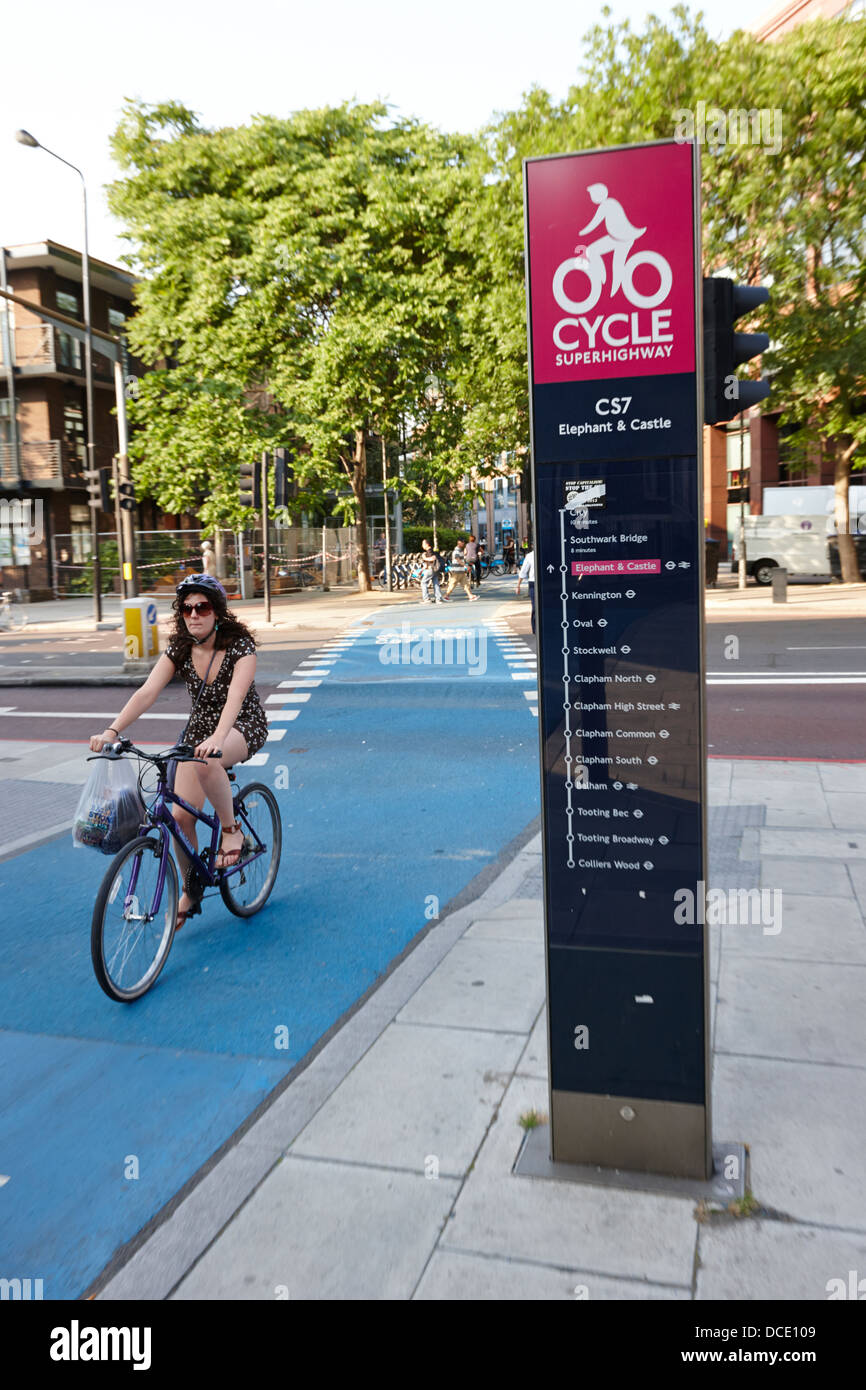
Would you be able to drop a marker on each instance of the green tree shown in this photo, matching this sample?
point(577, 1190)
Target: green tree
point(797, 220)
point(304, 261)
point(793, 215)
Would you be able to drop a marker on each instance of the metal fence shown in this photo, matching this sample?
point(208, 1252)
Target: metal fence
point(164, 558)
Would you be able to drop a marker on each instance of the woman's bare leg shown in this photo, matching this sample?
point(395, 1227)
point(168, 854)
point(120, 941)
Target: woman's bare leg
point(215, 785)
point(187, 785)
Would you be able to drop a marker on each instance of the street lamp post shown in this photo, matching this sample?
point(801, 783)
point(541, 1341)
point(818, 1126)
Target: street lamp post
point(25, 138)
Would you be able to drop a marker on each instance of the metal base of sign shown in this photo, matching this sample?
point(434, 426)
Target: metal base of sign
point(638, 1135)
point(534, 1161)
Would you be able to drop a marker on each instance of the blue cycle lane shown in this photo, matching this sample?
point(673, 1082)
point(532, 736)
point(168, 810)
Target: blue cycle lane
point(404, 757)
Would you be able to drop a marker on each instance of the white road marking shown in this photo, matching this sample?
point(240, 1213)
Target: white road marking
point(302, 683)
point(82, 714)
point(736, 675)
point(281, 699)
point(257, 760)
point(274, 735)
point(272, 715)
point(809, 680)
point(521, 676)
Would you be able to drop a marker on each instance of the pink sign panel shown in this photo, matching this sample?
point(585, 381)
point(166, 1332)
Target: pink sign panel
point(612, 273)
point(616, 566)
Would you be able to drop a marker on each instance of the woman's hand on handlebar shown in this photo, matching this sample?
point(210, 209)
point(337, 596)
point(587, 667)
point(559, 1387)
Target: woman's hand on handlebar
point(209, 748)
point(98, 741)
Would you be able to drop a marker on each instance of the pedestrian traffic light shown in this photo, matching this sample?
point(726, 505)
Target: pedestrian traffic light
point(285, 486)
point(726, 394)
point(126, 491)
point(98, 488)
point(251, 486)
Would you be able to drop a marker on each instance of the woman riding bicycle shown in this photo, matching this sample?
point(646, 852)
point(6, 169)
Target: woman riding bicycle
point(216, 655)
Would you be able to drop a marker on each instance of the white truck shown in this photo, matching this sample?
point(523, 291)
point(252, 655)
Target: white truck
point(797, 544)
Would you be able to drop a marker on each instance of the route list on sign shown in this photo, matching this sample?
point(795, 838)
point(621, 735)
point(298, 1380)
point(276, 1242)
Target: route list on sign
point(617, 596)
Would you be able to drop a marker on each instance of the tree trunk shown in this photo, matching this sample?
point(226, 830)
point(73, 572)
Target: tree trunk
point(847, 549)
point(359, 488)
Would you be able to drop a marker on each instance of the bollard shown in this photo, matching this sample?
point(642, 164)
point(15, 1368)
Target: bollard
point(780, 585)
point(140, 634)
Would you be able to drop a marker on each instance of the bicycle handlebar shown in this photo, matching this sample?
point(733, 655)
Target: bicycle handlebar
point(178, 754)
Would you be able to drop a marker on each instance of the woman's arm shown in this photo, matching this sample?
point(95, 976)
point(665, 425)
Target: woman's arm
point(142, 700)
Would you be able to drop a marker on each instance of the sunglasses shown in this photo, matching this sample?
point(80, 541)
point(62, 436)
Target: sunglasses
point(202, 609)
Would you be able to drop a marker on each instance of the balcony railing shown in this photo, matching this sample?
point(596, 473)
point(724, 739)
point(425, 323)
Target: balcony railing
point(42, 348)
point(40, 464)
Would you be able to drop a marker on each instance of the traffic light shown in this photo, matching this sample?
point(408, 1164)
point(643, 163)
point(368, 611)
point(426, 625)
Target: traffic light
point(98, 487)
point(285, 486)
point(251, 486)
point(725, 394)
point(126, 491)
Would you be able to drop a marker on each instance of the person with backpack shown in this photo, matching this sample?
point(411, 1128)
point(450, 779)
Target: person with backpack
point(430, 571)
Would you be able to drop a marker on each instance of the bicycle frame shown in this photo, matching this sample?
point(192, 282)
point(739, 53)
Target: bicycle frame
point(160, 818)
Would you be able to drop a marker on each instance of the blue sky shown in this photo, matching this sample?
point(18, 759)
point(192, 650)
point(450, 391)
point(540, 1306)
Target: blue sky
point(67, 71)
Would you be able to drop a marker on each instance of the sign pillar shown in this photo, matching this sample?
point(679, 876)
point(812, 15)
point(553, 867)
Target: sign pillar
point(613, 282)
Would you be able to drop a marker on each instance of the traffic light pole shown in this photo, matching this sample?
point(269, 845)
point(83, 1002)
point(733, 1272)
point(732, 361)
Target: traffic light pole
point(126, 526)
point(118, 526)
point(741, 547)
point(265, 528)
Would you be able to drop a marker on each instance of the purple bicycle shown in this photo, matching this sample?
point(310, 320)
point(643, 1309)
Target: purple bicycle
point(136, 907)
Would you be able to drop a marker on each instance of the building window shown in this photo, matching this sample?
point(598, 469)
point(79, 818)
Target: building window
point(67, 303)
point(68, 348)
point(738, 464)
point(73, 434)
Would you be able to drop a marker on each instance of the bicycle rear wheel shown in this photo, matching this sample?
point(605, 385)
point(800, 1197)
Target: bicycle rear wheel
point(133, 923)
point(245, 890)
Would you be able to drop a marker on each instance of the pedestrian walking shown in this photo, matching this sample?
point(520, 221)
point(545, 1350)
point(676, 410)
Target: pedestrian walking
point(471, 552)
point(430, 568)
point(527, 572)
point(460, 573)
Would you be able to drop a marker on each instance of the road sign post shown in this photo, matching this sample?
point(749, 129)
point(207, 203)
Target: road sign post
point(613, 286)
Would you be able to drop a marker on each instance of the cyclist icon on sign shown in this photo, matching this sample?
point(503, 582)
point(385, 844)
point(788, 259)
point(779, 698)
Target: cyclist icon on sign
point(621, 235)
point(619, 239)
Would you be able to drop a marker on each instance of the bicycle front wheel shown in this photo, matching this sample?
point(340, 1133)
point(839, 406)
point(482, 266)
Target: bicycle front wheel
point(134, 919)
point(246, 889)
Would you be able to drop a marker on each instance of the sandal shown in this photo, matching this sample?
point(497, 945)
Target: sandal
point(183, 913)
point(228, 858)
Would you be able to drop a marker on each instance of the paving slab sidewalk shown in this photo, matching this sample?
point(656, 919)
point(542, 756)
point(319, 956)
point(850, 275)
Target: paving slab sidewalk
point(385, 1169)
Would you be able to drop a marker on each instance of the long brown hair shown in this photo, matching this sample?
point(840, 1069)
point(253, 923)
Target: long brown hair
point(229, 630)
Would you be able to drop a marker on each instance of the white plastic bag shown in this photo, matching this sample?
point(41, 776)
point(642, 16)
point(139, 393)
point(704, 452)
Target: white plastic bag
point(110, 809)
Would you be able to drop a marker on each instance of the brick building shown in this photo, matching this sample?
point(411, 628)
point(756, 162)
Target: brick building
point(43, 415)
